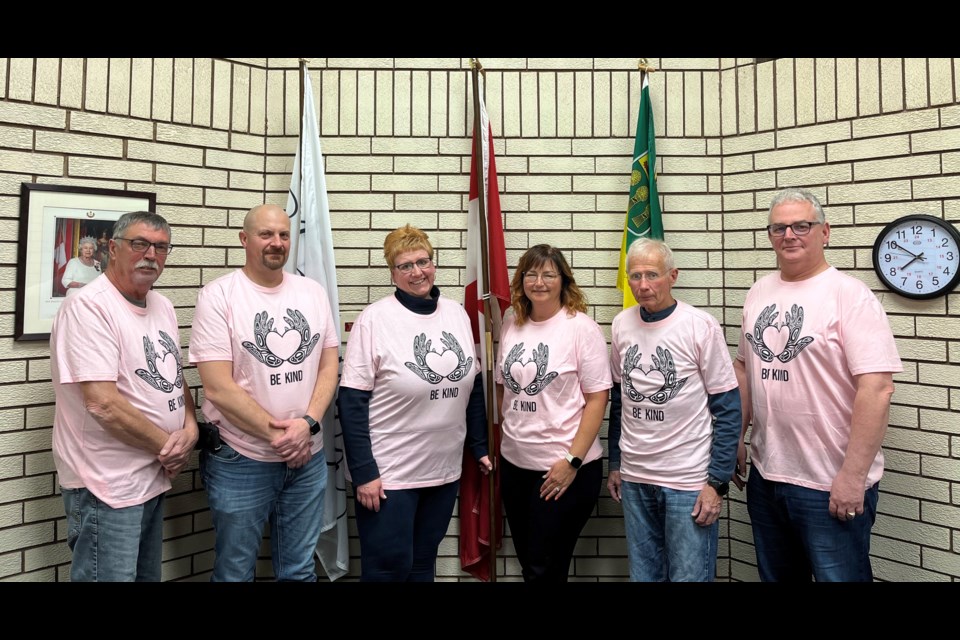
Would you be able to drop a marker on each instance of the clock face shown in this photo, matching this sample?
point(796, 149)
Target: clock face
point(918, 256)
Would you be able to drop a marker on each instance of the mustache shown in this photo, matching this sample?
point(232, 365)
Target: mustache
point(146, 264)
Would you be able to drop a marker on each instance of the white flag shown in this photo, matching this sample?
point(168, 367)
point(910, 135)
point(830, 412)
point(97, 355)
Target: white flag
point(311, 255)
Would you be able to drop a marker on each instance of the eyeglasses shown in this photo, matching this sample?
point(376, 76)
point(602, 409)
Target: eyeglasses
point(422, 264)
point(531, 277)
point(801, 228)
point(649, 276)
point(141, 246)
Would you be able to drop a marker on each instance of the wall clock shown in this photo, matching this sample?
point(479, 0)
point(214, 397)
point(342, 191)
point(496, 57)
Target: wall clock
point(918, 256)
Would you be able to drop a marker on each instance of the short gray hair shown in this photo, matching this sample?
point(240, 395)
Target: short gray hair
point(154, 220)
point(649, 246)
point(796, 194)
point(87, 240)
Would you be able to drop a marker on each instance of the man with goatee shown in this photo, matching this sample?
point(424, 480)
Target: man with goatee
point(267, 353)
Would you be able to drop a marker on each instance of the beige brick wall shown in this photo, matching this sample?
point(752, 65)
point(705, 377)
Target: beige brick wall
point(212, 137)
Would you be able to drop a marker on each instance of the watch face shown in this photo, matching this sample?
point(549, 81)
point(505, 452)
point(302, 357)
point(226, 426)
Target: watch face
point(918, 256)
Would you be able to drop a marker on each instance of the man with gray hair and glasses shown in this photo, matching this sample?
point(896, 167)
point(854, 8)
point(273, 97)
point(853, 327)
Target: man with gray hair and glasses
point(124, 423)
point(815, 365)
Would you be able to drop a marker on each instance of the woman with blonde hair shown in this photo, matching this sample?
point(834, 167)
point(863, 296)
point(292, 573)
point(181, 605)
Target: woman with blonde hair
point(553, 380)
point(410, 397)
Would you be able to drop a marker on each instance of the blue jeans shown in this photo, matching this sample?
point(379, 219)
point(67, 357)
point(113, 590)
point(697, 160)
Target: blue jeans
point(664, 542)
point(244, 494)
point(113, 545)
point(399, 543)
point(795, 536)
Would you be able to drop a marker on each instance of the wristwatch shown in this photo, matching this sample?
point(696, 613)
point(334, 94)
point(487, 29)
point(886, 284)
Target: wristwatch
point(313, 424)
point(720, 487)
point(574, 461)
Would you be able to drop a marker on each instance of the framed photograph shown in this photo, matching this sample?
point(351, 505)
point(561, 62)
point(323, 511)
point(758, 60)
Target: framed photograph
point(63, 244)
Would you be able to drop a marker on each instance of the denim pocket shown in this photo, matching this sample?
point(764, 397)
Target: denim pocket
point(225, 453)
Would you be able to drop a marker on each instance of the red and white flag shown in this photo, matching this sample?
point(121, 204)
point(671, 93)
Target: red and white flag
point(474, 486)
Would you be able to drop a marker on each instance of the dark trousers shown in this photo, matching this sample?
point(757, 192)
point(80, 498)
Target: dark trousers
point(399, 543)
point(545, 532)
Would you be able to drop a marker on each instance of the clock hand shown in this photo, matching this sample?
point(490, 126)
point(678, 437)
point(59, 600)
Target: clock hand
point(901, 248)
point(912, 260)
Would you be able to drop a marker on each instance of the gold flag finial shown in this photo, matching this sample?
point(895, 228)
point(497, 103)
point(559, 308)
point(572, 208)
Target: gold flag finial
point(644, 66)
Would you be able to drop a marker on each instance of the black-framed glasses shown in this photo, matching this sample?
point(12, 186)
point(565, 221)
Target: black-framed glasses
point(407, 267)
point(140, 246)
point(801, 228)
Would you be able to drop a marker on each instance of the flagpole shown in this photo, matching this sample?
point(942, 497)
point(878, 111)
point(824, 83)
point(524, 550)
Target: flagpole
point(302, 138)
point(484, 287)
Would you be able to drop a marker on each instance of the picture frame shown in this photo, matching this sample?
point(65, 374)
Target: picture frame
point(53, 220)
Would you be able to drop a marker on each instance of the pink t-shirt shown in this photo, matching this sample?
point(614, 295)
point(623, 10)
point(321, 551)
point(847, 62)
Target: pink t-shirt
point(421, 370)
point(545, 368)
point(274, 338)
point(802, 343)
point(667, 370)
point(98, 336)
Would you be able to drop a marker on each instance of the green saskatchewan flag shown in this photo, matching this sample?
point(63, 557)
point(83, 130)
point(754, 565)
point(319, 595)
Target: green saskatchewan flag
point(643, 209)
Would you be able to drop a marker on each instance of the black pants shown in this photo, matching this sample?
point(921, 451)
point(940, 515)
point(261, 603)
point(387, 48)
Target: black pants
point(545, 532)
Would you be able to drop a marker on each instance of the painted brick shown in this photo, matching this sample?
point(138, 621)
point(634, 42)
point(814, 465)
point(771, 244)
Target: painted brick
point(240, 180)
point(80, 144)
point(564, 203)
point(539, 147)
point(45, 556)
point(897, 124)
point(911, 531)
point(403, 183)
point(911, 485)
point(896, 550)
point(942, 561)
point(16, 137)
point(934, 467)
point(846, 88)
point(813, 134)
point(41, 416)
point(26, 536)
point(815, 174)
point(191, 175)
point(110, 125)
point(900, 506)
point(870, 148)
point(891, 85)
point(869, 192)
point(938, 327)
point(28, 162)
point(940, 374)
point(234, 160)
point(947, 187)
point(945, 421)
point(692, 203)
point(868, 76)
point(413, 146)
point(917, 441)
point(922, 349)
point(118, 169)
point(918, 165)
point(942, 514)
point(156, 152)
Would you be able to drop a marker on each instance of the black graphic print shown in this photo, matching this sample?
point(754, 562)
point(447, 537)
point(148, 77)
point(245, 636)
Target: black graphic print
point(428, 359)
point(266, 344)
point(152, 375)
point(793, 322)
point(540, 359)
point(663, 363)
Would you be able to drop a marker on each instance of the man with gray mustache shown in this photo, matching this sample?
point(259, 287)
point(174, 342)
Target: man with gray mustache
point(125, 423)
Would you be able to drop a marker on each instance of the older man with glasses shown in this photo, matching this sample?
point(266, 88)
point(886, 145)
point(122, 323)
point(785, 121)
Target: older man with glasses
point(674, 424)
point(815, 364)
point(124, 423)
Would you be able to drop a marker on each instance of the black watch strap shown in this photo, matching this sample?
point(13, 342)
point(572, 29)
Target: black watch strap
point(720, 487)
point(314, 425)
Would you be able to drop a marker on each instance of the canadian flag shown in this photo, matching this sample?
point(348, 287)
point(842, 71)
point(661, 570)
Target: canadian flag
point(474, 486)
